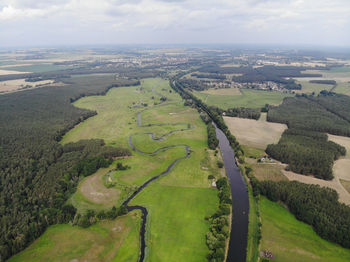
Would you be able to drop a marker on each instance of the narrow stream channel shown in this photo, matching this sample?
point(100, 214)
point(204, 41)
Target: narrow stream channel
point(144, 211)
point(240, 202)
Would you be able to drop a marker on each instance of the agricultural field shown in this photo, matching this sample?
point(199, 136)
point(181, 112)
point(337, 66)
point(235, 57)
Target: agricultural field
point(223, 91)
point(253, 133)
point(340, 74)
point(178, 202)
point(343, 88)
point(247, 98)
point(291, 240)
point(108, 240)
point(307, 87)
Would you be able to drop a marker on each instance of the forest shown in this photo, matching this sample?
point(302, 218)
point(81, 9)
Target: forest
point(243, 112)
point(304, 145)
point(212, 76)
point(324, 113)
point(323, 82)
point(33, 163)
point(314, 205)
point(307, 152)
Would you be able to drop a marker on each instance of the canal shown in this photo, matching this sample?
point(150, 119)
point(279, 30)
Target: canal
point(240, 202)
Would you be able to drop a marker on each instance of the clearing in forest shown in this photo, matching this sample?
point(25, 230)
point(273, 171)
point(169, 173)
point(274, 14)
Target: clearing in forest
point(248, 98)
point(255, 133)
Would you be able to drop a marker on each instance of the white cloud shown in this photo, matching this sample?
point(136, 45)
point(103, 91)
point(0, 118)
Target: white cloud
point(185, 21)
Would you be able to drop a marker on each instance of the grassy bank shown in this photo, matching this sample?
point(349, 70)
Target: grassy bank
point(291, 240)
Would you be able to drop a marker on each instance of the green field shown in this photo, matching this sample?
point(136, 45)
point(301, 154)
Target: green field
point(309, 88)
point(178, 202)
point(176, 226)
point(291, 240)
point(114, 240)
point(248, 98)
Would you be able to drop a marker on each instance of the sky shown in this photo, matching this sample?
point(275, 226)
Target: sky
point(89, 22)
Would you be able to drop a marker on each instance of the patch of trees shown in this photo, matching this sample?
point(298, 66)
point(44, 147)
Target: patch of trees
point(91, 217)
point(323, 82)
point(337, 104)
point(244, 112)
point(193, 84)
point(122, 167)
point(213, 142)
point(325, 113)
point(37, 174)
point(210, 76)
point(314, 205)
point(219, 223)
point(307, 152)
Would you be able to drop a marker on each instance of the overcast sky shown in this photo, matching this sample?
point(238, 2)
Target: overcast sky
point(70, 22)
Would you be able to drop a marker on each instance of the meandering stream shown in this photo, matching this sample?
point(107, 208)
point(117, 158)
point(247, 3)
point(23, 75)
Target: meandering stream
point(154, 138)
point(240, 200)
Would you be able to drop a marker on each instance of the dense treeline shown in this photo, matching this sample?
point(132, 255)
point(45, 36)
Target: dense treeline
point(322, 114)
point(337, 104)
point(307, 152)
point(323, 82)
point(193, 84)
point(33, 163)
point(314, 205)
point(219, 223)
point(244, 112)
point(213, 142)
point(210, 76)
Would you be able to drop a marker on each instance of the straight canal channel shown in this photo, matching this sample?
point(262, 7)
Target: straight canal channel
point(240, 202)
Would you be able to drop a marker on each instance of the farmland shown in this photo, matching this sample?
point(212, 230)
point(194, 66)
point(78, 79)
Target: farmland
point(257, 134)
point(247, 98)
point(309, 88)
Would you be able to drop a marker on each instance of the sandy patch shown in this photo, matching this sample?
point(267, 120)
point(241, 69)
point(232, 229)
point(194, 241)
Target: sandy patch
point(341, 167)
point(94, 190)
point(13, 85)
point(11, 72)
point(254, 133)
point(15, 65)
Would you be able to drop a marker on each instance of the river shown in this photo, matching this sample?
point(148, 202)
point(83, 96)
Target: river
point(240, 202)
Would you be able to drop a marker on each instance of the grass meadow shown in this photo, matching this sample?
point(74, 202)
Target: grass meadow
point(177, 203)
point(291, 240)
point(107, 240)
